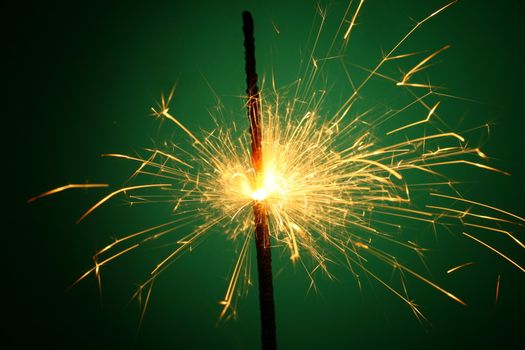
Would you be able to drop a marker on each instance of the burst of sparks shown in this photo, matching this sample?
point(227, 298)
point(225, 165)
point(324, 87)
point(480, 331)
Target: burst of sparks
point(336, 187)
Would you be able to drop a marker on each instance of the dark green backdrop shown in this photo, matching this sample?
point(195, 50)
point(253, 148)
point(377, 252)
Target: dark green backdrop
point(80, 80)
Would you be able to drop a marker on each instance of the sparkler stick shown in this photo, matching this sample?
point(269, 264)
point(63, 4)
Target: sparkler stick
point(262, 234)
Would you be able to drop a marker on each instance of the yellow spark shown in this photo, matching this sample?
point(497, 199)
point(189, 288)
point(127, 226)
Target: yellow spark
point(478, 203)
point(379, 165)
point(103, 200)
point(165, 112)
point(64, 188)
point(133, 235)
point(276, 28)
point(361, 245)
point(464, 213)
point(352, 22)
point(467, 162)
point(418, 67)
point(98, 265)
point(460, 266)
point(497, 290)
point(497, 230)
point(416, 123)
point(235, 277)
point(404, 55)
point(495, 251)
point(147, 162)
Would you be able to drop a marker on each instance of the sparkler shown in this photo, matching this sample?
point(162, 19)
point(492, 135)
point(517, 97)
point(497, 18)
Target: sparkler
point(262, 231)
point(326, 187)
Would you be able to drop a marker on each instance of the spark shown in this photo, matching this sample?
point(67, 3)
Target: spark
point(464, 213)
point(498, 230)
point(352, 22)
point(497, 289)
point(495, 251)
point(418, 67)
point(479, 204)
point(460, 266)
point(64, 188)
point(430, 113)
point(125, 189)
point(276, 28)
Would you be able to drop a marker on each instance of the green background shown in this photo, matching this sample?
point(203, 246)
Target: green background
point(81, 79)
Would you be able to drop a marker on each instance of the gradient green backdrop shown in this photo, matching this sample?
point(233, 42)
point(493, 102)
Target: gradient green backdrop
point(81, 79)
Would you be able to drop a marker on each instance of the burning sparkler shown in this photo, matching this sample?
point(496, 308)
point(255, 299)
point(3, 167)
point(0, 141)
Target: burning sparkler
point(326, 188)
point(261, 193)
